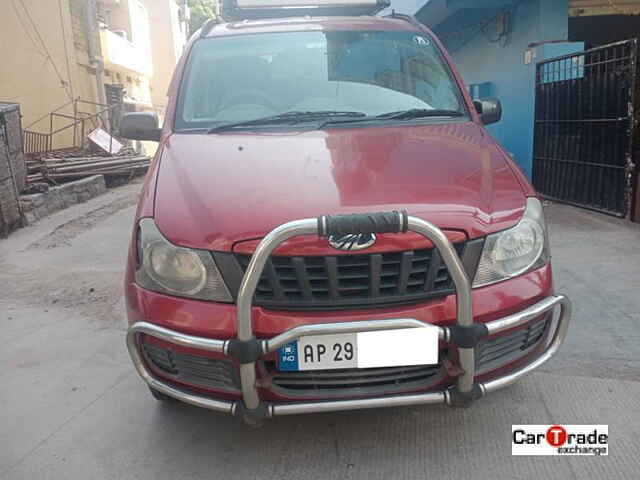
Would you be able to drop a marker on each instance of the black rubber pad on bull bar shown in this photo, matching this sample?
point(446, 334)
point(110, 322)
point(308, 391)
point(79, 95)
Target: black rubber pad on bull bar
point(252, 415)
point(381, 222)
point(464, 399)
point(245, 352)
point(468, 337)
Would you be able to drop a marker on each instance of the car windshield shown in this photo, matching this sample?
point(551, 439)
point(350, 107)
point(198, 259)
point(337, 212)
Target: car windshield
point(246, 77)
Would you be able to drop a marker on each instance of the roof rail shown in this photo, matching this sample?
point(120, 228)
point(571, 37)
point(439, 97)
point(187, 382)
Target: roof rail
point(208, 26)
point(407, 18)
point(262, 9)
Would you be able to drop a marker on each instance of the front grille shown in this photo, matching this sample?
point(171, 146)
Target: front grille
point(206, 372)
point(352, 381)
point(342, 281)
point(502, 350)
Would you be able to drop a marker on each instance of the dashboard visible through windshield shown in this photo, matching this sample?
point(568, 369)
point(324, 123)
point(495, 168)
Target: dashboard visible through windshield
point(245, 77)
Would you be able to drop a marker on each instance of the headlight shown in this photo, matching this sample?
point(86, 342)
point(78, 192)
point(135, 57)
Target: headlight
point(167, 268)
point(515, 251)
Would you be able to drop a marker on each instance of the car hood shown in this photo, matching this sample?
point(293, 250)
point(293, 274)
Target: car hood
point(215, 190)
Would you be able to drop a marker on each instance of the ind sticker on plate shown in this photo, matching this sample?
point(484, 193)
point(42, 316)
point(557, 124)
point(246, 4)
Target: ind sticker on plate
point(288, 357)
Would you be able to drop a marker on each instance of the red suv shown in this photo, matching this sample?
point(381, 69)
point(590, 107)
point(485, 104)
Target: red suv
point(327, 225)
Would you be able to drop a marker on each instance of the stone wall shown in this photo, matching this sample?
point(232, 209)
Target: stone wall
point(13, 170)
point(42, 204)
point(13, 139)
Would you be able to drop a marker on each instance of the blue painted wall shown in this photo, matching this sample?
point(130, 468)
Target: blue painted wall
point(481, 57)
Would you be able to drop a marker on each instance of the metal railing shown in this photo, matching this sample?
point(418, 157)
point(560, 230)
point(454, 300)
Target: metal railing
point(36, 142)
point(80, 123)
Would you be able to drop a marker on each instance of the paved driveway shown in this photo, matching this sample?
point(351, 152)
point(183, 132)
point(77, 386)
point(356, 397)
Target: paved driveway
point(72, 407)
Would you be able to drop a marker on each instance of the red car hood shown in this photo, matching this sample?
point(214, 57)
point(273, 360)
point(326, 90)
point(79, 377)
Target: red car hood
point(215, 190)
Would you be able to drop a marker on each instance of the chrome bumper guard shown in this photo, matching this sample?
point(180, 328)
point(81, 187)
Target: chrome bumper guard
point(464, 334)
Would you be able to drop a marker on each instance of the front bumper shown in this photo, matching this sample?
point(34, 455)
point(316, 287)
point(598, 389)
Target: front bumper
point(291, 408)
point(464, 334)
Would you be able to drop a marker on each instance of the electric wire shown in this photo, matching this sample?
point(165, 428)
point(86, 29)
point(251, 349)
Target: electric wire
point(25, 28)
point(46, 50)
point(66, 51)
point(482, 25)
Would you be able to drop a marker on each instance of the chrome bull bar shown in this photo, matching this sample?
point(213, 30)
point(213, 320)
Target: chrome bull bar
point(464, 333)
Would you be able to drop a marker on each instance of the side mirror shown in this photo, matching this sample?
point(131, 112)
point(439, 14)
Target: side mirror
point(490, 110)
point(140, 126)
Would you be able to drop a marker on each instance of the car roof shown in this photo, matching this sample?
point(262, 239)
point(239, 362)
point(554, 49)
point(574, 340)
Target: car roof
point(310, 24)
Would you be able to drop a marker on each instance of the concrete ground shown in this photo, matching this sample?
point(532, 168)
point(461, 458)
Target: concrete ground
point(72, 407)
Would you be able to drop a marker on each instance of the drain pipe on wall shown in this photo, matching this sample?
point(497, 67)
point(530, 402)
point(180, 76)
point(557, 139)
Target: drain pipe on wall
point(95, 57)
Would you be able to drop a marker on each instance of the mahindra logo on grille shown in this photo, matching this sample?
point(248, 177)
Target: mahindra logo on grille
point(352, 241)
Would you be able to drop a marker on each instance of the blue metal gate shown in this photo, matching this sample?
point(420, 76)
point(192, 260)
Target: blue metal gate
point(584, 128)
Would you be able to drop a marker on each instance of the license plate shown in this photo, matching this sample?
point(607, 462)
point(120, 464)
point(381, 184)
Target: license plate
point(386, 348)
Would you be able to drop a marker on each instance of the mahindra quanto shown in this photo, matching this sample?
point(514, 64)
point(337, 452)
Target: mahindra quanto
point(327, 224)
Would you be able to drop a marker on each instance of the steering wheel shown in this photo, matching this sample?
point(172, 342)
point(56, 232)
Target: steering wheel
point(249, 97)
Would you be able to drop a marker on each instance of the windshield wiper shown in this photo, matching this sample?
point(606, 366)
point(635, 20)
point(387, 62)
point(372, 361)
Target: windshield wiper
point(329, 117)
point(292, 117)
point(419, 113)
point(399, 115)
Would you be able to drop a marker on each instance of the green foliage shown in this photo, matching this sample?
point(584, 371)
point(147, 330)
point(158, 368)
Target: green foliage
point(201, 11)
